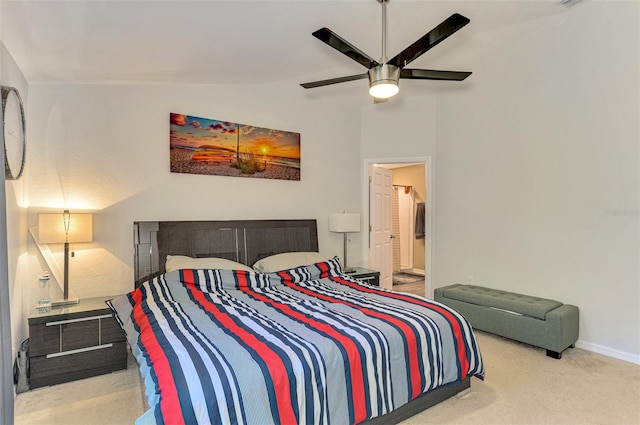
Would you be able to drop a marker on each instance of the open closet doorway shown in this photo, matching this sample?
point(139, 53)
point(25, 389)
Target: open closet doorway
point(404, 219)
point(406, 265)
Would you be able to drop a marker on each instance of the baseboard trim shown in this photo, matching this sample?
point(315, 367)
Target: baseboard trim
point(418, 272)
point(609, 352)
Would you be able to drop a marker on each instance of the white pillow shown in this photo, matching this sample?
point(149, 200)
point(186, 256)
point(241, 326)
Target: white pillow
point(287, 260)
point(177, 262)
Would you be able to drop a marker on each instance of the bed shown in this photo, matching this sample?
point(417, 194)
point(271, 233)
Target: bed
point(225, 343)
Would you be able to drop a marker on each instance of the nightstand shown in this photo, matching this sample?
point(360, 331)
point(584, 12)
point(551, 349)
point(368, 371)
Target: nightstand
point(371, 277)
point(74, 342)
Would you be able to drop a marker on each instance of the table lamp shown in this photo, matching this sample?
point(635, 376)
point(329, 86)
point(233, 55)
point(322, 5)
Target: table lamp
point(345, 223)
point(65, 228)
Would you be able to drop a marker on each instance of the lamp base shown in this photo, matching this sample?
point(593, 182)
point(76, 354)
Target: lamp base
point(64, 302)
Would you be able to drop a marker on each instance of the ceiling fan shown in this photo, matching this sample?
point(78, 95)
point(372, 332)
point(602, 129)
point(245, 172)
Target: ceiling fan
point(384, 74)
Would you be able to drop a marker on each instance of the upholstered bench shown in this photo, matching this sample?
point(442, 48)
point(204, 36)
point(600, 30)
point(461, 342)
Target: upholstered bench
point(536, 321)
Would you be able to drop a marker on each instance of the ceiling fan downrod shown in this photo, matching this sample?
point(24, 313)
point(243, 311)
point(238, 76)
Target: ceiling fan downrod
point(384, 59)
point(383, 79)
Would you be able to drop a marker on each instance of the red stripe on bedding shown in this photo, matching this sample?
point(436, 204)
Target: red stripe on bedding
point(169, 401)
point(355, 360)
point(276, 367)
point(455, 325)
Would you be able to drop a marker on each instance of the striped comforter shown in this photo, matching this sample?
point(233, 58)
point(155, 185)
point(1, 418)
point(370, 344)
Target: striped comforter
point(308, 345)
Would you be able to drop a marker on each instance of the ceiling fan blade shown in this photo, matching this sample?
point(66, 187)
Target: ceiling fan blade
point(450, 25)
point(343, 46)
point(334, 81)
point(430, 74)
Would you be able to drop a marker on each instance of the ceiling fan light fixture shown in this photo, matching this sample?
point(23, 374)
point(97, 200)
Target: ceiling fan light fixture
point(383, 89)
point(383, 81)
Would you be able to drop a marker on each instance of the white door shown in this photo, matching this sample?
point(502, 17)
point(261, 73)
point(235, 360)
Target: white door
point(380, 216)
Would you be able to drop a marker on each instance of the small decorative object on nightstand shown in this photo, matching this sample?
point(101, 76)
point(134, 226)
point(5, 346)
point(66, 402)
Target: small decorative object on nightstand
point(64, 228)
point(371, 277)
point(75, 342)
point(44, 301)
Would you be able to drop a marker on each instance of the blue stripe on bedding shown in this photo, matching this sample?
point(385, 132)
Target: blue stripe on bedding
point(309, 345)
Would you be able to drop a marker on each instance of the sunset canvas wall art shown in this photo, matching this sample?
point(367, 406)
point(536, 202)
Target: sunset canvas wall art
point(221, 148)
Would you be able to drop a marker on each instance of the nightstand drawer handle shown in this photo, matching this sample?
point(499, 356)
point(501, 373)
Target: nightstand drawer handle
point(79, 350)
point(82, 319)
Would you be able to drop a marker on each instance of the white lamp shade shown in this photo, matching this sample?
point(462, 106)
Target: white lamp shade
point(51, 228)
point(344, 223)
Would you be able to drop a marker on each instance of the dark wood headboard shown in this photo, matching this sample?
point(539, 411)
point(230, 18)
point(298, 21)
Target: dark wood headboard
point(244, 241)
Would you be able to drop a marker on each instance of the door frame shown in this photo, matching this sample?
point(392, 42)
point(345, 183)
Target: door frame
point(429, 208)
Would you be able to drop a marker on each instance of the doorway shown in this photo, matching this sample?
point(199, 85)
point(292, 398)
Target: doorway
point(408, 261)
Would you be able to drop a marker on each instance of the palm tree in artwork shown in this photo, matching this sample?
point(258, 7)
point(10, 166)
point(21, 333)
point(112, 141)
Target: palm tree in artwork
point(238, 146)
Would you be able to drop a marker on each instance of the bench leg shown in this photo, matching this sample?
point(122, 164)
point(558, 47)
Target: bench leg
point(554, 354)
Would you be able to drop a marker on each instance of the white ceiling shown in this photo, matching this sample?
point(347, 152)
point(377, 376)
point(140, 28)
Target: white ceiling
point(233, 42)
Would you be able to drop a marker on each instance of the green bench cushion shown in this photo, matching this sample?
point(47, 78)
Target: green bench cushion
point(523, 304)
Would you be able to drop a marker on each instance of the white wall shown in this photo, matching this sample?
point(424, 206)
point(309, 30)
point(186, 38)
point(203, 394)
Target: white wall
point(16, 203)
point(535, 160)
point(537, 169)
point(404, 127)
point(106, 148)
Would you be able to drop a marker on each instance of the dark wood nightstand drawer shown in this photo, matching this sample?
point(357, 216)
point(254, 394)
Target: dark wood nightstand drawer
point(74, 342)
point(111, 331)
point(46, 370)
point(76, 335)
point(43, 340)
point(73, 332)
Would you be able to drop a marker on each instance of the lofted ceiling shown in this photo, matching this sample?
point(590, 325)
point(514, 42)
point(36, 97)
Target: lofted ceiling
point(233, 42)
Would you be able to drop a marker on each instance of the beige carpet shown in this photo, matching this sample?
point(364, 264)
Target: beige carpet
point(522, 386)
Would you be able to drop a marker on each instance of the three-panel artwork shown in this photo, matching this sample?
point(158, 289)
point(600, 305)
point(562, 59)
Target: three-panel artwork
point(221, 148)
